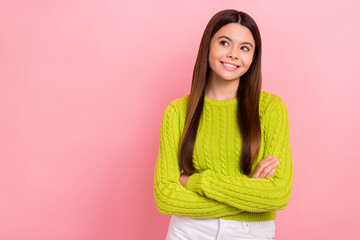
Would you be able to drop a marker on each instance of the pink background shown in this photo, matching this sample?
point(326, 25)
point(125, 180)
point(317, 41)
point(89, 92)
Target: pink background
point(84, 85)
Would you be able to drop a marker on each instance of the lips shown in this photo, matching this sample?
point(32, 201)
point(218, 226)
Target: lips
point(229, 66)
point(230, 63)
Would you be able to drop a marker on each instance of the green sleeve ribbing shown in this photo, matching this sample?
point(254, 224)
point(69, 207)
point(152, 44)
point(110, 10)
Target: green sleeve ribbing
point(171, 197)
point(255, 194)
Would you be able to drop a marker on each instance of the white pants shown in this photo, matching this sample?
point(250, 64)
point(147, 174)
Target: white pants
point(184, 228)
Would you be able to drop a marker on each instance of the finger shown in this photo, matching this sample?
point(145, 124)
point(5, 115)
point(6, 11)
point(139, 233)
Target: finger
point(269, 174)
point(267, 158)
point(271, 166)
point(261, 171)
point(265, 166)
point(267, 161)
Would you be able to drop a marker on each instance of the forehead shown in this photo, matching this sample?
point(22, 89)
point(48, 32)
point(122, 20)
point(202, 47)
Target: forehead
point(235, 31)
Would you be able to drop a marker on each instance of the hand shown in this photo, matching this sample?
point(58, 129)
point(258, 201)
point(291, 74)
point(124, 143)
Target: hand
point(183, 179)
point(265, 167)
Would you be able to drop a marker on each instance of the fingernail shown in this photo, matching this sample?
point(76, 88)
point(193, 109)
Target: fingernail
point(276, 158)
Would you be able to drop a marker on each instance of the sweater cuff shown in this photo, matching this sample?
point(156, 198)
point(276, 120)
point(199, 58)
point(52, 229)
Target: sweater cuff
point(194, 183)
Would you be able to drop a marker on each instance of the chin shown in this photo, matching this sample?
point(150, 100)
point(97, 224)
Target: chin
point(230, 78)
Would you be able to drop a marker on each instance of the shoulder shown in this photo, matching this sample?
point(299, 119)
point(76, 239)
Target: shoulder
point(181, 101)
point(178, 106)
point(271, 104)
point(267, 98)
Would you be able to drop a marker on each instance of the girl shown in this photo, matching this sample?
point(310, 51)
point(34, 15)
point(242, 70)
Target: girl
point(224, 165)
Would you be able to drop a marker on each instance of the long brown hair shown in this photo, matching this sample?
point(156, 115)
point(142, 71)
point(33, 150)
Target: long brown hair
point(248, 94)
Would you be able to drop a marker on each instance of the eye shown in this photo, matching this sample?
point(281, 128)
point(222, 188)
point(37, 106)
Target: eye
point(247, 49)
point(223, 42)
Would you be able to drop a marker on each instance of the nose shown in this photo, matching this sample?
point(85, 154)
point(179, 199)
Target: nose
point(233, 53)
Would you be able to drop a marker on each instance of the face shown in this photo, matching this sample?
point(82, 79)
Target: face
point(231, 52)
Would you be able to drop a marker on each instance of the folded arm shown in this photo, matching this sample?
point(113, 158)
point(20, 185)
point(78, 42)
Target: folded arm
point(255, 194)
point(170, 196)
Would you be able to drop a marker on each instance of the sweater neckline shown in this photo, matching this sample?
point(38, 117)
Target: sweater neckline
point(220, 102)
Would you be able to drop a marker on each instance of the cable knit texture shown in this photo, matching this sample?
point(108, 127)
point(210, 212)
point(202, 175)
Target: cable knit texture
point(218, 189)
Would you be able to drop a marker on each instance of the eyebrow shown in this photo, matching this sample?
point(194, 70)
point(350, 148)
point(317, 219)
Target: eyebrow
point(231, 40)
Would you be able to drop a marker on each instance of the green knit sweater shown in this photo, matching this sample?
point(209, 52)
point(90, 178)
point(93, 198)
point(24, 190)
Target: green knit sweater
point(218, 189)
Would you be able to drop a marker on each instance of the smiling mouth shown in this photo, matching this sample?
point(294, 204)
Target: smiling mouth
point(229, 66)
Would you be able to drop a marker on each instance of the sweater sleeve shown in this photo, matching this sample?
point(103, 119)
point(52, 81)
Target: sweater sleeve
point(255, 194)
point(171, 197)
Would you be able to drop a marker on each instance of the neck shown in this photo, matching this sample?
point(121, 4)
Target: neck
point(220, 89)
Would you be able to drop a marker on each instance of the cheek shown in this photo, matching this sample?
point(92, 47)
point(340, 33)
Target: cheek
point(211, 63)
point(248, 60)
point(216, 52)
point(213, 57)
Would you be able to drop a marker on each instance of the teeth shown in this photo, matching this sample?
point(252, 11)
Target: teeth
point(229, 65)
